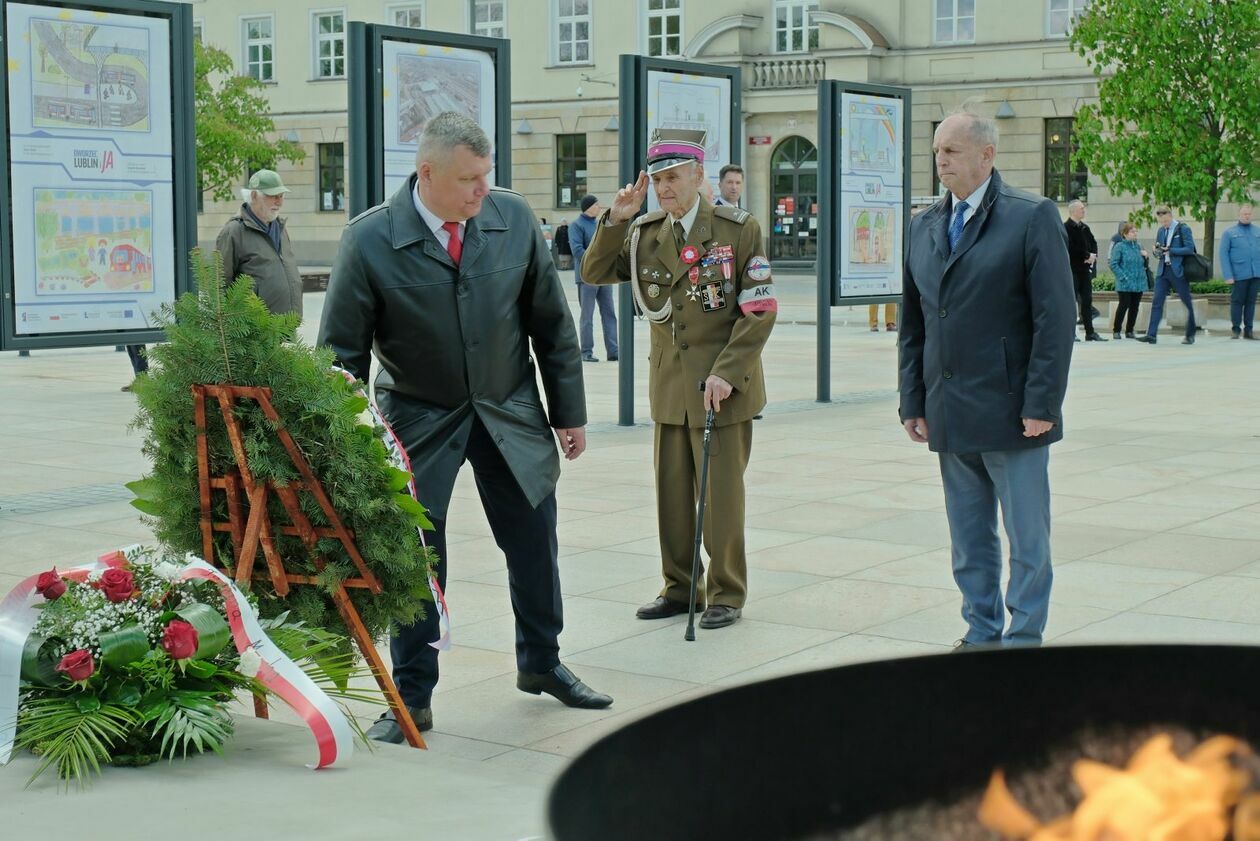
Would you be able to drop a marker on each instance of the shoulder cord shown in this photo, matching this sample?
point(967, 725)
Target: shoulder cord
point(654, 316)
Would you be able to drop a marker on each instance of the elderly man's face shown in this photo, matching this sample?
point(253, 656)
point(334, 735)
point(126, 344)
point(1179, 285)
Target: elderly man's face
point(677, 189)
point(453, 185)
point(962, 163)
point(266, 208)
point(1244, 215)
point(1077, 212)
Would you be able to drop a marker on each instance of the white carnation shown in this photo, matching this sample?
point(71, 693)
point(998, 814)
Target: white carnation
point(167, 570)
point(250, 663)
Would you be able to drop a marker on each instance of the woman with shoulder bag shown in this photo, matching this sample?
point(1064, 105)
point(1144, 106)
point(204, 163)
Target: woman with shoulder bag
point(1128, 264)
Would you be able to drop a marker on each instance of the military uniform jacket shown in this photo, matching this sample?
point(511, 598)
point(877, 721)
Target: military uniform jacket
point(454, 343)
point(719, 323)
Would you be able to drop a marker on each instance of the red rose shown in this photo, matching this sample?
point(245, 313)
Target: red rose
point(77, 665)
point(179, 640)
point(116, 584)
point(49, 585)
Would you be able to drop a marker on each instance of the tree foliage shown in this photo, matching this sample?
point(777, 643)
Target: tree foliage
point(224, 334)
point(1178, 112)
point(233, 121)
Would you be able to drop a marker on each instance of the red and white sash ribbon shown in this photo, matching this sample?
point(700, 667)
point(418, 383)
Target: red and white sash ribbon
point(398, 457)
point(19, 613)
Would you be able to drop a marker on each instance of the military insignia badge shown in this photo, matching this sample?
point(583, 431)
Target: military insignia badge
point(693, 274)
point(654, 291)
point(758, 269)
point(711, 297)
point(689, 254)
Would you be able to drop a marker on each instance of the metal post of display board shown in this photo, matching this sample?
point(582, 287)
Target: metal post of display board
point(86, 150)
point(832, 245)
point(368, 80)
point(635, 126)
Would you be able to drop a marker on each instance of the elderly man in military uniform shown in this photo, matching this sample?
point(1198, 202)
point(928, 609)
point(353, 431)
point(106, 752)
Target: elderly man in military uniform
point(700, 275)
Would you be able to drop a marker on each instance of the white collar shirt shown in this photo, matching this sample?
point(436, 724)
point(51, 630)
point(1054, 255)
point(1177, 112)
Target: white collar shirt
point(435, 222)
point(973, 201)
point(688, 219)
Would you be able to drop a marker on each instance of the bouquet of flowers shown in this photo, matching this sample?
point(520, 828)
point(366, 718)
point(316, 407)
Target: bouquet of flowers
point(132, 661)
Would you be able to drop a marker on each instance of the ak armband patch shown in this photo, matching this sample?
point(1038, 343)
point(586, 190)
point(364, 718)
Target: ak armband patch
point(758, 298)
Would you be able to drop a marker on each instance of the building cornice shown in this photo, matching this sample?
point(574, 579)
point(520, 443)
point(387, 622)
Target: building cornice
point(866, 34)
point(720, 26)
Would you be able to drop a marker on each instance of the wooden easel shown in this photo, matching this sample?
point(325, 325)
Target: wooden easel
point(250, 532)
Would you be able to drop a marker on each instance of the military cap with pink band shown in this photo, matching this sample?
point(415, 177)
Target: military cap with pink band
point(669, 148)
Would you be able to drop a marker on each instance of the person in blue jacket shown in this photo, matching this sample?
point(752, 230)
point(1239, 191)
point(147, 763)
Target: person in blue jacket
point(1173, 243)
point(1128, 264)
point(1240, 266)
point(581, 232)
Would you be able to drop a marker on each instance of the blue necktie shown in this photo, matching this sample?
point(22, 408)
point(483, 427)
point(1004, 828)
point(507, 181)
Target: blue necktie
point(956, 224)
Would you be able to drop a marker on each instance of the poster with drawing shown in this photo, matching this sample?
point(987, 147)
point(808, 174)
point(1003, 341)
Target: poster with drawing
point(872, 185)
point(703, 103)
point(91, 175)
point(422, 81)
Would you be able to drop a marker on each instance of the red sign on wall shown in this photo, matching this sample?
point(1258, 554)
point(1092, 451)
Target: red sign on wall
point(759, 140)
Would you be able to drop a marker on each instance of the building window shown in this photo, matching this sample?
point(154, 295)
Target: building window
point(793, 30)
point(330, 44)
point(332, 176)
point(573, 31)
point(664, 27)
point(489, 18)
point(259, 47)
point(1060, 14)
point(570, 169)
point(410, 15)
point(937, 189)
point(955, 21)
point(198, 28)
point(1064, 179)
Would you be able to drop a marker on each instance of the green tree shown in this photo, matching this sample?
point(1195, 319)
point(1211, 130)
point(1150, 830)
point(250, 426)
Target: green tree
point(233, 122)
point(1178, 112)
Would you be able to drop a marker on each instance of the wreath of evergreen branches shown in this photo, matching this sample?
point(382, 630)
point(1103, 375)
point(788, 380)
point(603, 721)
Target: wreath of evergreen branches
point(224, 334)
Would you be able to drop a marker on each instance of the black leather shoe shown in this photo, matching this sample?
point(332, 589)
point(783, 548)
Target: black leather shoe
point(1150, 340)
point(1188, 340)
point(1115, 335)
point(1094, 337)
point(564, 686)
point(719, 616)
point(1247, 334)
point(612, 357)
point(589, 357)
point(663, 608)
point(1128, 334)
point(1236, 334)
point(387, 729)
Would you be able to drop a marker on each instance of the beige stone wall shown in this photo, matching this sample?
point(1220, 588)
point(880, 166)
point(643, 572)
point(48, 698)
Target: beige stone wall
point(1011, 60)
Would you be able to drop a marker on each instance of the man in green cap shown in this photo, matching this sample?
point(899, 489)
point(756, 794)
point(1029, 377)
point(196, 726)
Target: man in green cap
point(699, 274)
point(255, 242)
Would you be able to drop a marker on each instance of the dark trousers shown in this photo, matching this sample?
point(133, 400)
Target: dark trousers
point(139, 362)
point(527, 536)
point(1242, 304)
point(1163, 284)
point(1126, 311)
point(1085, 295)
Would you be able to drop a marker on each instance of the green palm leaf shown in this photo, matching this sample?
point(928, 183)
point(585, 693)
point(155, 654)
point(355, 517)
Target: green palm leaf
point(194, 720)
point(73, 737)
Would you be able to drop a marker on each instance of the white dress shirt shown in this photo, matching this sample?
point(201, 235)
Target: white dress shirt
point(688, 219)
point(973, 202)
point(435, 222)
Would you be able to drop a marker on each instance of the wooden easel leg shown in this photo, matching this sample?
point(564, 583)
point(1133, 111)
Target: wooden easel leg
point(260, 707)
point(379, 671)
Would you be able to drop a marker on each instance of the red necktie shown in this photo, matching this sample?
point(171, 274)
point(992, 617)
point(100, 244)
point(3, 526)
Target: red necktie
point(453, 246)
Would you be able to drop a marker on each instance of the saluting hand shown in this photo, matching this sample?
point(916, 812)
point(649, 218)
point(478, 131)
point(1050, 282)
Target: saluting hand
point(629, 199)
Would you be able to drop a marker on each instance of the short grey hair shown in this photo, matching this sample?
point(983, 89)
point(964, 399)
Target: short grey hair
point(448, 130)
point(1075, 203)
point(983, 130)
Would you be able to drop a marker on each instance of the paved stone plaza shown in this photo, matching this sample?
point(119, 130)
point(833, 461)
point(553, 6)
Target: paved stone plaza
point(1156, 538)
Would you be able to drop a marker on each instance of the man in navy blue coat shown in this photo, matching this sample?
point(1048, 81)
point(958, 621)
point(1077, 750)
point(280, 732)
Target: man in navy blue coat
point(1173, 243)
point(985, 344)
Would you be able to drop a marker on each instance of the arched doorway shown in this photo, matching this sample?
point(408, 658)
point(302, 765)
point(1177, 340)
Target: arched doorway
point(794, 202)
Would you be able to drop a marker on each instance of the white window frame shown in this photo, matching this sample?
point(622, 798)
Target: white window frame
point(645, 28)
point(954, 18)
point(1073, 9)
point(392, 10)
point(487, 29)
point(558, 20)
point(318, 39)
point(806, 6)
point(246, 43)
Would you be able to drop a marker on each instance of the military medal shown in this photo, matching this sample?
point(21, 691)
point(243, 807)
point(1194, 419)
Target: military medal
point(728, 287)
point(654, 291)
point(689, 254)
point(693, 274)
point(711, 297)
point(694, 293)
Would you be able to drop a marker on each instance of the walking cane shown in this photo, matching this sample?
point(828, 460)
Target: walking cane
point(690, 636)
